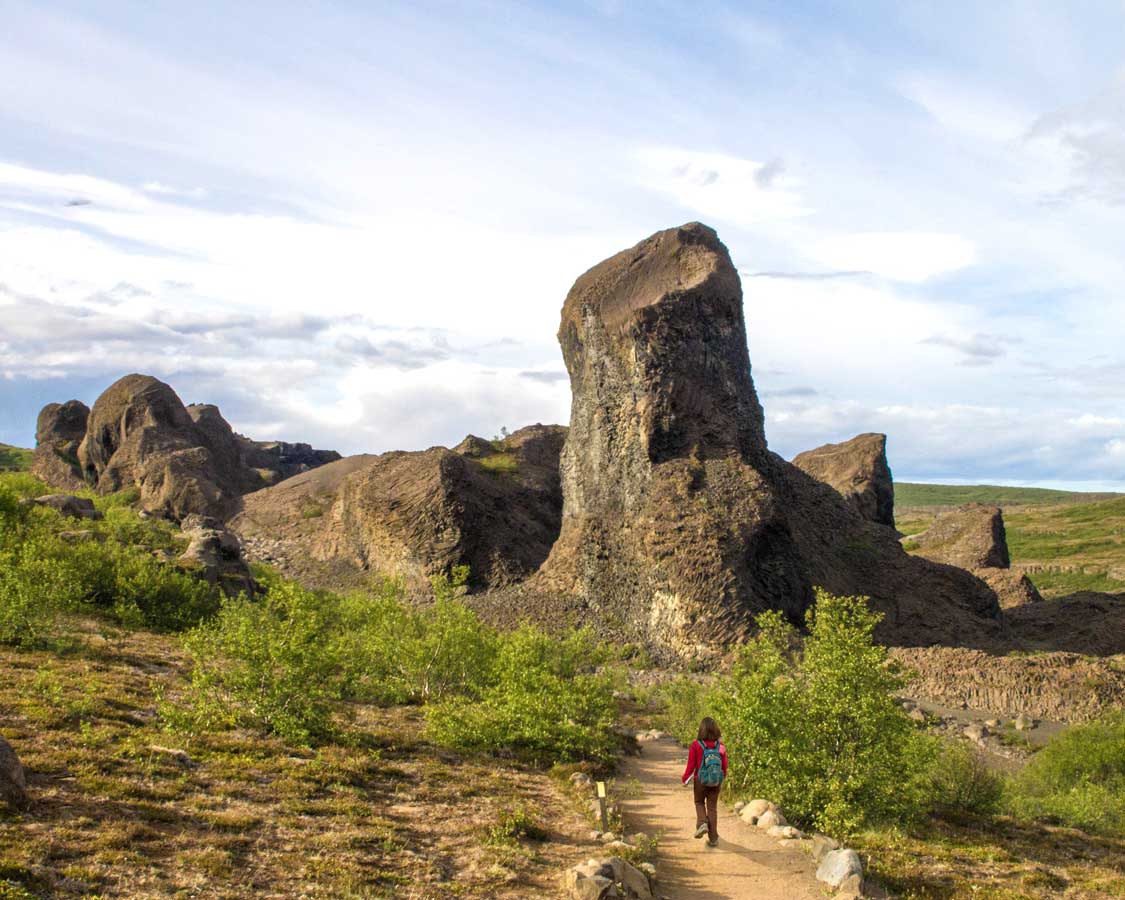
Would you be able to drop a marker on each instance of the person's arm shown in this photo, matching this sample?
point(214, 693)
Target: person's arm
point(692, 762)
point(723, 754)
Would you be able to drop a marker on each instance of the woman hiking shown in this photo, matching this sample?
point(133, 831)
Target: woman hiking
point(706, 769)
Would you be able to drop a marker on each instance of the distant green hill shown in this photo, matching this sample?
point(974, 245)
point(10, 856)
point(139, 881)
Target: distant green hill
point(907, 494)
point(14, 459)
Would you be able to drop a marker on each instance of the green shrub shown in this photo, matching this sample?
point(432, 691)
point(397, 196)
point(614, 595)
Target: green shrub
point(514, 825)
point(819, 732)
point(545, 702)
point(1078, 779)
point(269, 664)
point(683, 703)
point(960, 781)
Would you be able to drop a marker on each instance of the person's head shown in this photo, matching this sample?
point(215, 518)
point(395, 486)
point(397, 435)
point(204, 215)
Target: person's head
point(709, 730)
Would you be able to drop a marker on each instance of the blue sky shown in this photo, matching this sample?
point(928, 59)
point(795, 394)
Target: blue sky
point(355, 223)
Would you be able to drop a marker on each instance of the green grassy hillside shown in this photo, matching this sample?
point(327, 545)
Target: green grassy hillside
point(14, 459)
point(908, 494)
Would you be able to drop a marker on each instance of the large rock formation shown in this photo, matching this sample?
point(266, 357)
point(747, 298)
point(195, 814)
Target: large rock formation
point(494, 506)
point(679, 525)
point(140, 434)
point(58, 433)
point(973, 537)
point(858, 470)
point(182, 459)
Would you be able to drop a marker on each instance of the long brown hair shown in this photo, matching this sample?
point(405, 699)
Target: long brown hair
point(709, 730)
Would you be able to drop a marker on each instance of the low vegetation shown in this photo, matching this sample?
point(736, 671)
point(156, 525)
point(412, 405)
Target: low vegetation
point(14, 459)
point(908, 495)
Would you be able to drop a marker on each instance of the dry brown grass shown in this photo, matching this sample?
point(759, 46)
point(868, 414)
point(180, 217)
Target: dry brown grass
point(381, 815)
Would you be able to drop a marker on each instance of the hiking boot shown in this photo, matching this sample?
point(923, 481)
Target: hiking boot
point(712, 842)
point(700, 830)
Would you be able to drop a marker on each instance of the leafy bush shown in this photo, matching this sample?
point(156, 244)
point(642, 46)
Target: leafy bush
point(544, 703)
point(268, 664)
point(960, 781)
point(684, 702)
point(1078, 779)
point(819, 732)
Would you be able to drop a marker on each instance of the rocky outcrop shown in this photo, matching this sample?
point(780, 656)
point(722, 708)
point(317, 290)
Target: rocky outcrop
point(140, 434)
point(13, 783)
point(1062, 687)
point(858, 470)
point(970, 536)
point(494, 506)
point(183, 460)
point(973, 537)
point(214, 553)
point(58, 433)
point(679, 525)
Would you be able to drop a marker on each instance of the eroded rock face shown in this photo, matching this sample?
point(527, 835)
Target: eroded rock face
point(184, 460)
point(679, 525)
point(494, 506)
point(140, 434)
point(58, 433)
point(858, 470)
point(970, 536)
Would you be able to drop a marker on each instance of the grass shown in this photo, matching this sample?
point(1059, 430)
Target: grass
point(909, 494)
point(499, 463)
point(14, 459)
point(377, 815)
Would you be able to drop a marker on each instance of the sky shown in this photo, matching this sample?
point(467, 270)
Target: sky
point(354, 223)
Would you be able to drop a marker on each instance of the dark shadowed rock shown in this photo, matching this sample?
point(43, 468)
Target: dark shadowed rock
point(13, 784)
point(970, 536)
point(679, 525)
point(75, 507)
point(491, 505)
point(858, 470)
point(58, 433)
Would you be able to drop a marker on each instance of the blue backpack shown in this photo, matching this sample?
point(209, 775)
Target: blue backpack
point(711, 769)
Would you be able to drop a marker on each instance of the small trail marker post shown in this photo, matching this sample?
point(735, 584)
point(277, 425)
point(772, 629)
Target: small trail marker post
point(601, 805)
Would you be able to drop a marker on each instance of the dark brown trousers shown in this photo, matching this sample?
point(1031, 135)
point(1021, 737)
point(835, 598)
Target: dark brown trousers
point(707, 808)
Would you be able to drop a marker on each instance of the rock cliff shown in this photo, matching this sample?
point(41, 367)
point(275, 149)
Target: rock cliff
point(858, 470)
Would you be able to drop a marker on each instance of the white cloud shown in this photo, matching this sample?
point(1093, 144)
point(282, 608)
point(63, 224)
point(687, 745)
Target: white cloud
point(900, 256)
point(741, 191)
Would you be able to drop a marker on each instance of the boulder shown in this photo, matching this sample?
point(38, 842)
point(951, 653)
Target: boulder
point(820, 845)
point(971, 536)
point(67, 505)
point(494, 506)
point(787, 832)
point(858, 470)
point(839, 865)
point(214, 553)
point(58, 433)
point(756, 808)
point(679, 525)
point(851, 888)
point(597, 879)
point(13, 784)
point(771, 818)
point(1012, 588)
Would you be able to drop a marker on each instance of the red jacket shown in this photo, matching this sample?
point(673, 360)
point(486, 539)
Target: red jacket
point(695, 759)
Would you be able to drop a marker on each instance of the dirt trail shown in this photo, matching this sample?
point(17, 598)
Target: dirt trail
point(746, 863)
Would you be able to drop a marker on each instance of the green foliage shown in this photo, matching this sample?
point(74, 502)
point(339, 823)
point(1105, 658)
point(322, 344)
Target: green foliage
point(499, 463)
point(111, 571)
point(960, 781)
point(515, 824)
point(683, 703)
point(269, 664)
point(1078, 779)
point(545, 702)
point(819, 732)
point(14, 459)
